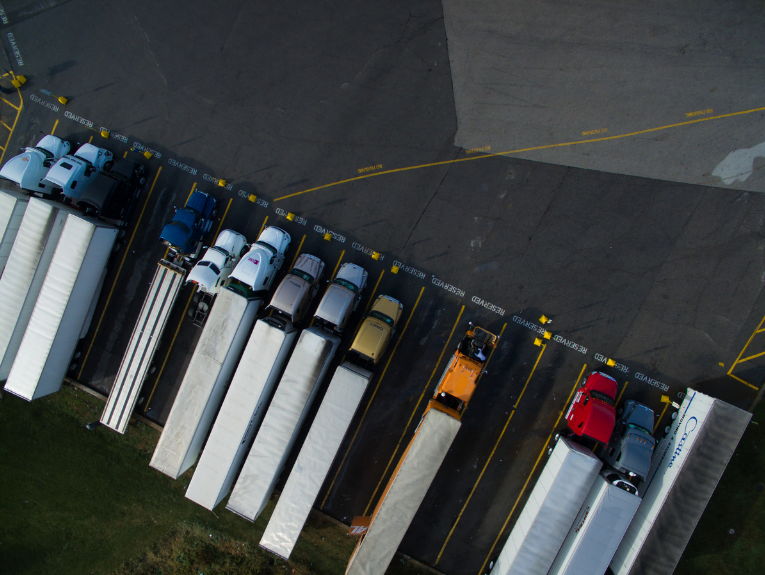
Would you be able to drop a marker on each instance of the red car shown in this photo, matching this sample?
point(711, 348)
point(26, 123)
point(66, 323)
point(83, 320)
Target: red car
point(592, 413)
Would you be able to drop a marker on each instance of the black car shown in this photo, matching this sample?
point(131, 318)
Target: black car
point(112, 195)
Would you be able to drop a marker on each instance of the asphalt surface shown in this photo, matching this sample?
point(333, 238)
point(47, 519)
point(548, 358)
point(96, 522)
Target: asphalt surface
point(352, 118)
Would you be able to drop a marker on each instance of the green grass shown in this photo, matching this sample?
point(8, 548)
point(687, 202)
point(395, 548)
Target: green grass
point(78, 501)
point(739, 504)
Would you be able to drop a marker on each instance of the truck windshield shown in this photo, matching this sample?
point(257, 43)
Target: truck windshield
point(302, 275)
point(381, 317)
point(601, 396)
point(638, 428)
point(268, 247)
point(181, 225)
point(220, 250)
point(346, 284)
point(44, 152)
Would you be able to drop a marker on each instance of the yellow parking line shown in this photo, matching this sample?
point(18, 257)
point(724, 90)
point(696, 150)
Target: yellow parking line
point(125, 154)
point(262, 226)
point(90, 140)
point(194, 187)
point(658, 421)
point(223, 218)
point(523, 489)
point(6, 126)
point(416, 407)
point(55, 125)
point(751, 357)
point(16, 119)
point(297, 253)
point(374, 291)
point(337, 265)
point(618, 399)
point(374, 393)
point(11, 105)
point(744, 382)
point(491, 455)
point(119, 270)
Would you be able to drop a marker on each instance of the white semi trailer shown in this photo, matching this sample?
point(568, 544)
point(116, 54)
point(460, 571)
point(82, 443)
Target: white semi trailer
point(319, 449)
point(597, 530)
point(28, 262)
point(550, 511)
point(159, 302)
point(12, 207)
point(205, 382)
point(242, 410)
point(285, 416)
point(686, 467)
point(64, 307)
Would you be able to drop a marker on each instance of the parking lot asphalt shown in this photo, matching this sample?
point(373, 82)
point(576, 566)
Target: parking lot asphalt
point(343, 118)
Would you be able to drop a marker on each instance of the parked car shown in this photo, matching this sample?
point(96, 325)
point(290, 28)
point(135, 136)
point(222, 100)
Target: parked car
point(211, 272)
point(183, 234)
point(342, 297)
point(257, 269)
point(113, 195)
point(29, 168)
point(298, 288)
point(631, 446)
point(592, 413)
point(377, 330)
point(73, 173)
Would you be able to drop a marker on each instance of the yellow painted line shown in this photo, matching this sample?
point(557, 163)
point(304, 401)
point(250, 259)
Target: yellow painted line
point(225, 213)
point(520, 150)
point(11, 105)
point(6, 126)
point(523, 489)
point(744, 382)
point(483, 470)
point(416, 407)
point(618, 399)
point(55, 125)
point(262, 226)
point(337, 265)
point(194, 187)
point(16, 119)
point(119, 270)
point(658, 421)
point(371, 399)
point(752, 357)
point(90, 140)
point(297, 253)
point(167, 355)
point(177, 329)
point(125, 154)
point(746, 345)
point(374, 291)
point(167, 251)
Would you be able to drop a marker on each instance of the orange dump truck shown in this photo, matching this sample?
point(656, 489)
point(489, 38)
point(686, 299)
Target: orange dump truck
point(382, 533)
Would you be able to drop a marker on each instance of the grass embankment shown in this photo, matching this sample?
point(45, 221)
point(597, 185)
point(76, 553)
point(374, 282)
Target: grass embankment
point(78, 501)
point(738, 504)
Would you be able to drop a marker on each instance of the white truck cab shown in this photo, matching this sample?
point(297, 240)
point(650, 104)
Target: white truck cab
point(73, 173)
point(29, 168)
point(258, 267)
point(212, 271)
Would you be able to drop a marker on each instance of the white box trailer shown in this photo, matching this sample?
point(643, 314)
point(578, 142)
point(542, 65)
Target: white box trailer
point(294, 396)
point(12, 207)
point(399, 503)
point(28, 263)
point(243, 408)
point(64, 307)
point(205, 382)
point(550, 511)
point(597, 530)
point(687, 464)
point(159, 302)
point(312, 465)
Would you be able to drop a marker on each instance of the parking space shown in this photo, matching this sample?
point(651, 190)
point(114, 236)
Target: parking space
point(657, 283)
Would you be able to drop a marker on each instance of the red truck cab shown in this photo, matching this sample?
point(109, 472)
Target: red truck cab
point(593, 413)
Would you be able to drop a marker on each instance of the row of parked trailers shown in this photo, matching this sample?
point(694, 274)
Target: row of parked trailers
point(51, 278)
point(576, 522)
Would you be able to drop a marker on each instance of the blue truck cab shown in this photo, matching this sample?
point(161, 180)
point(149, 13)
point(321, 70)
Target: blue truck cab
point(183, 234)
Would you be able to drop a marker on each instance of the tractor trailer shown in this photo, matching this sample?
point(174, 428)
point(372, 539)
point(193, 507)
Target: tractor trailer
point(205, 382)
point(423, 456)
point(550, 511)
point(64, 307)
point(12, 207)
point(167, 282)
point(294, 396)
point(242, 410)
point(686, 467)
point(25, 271)
point(319, 449)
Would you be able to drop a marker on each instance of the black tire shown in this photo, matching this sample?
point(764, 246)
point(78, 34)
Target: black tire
point(108, 165)
point(619, 411)
point(245, 249)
